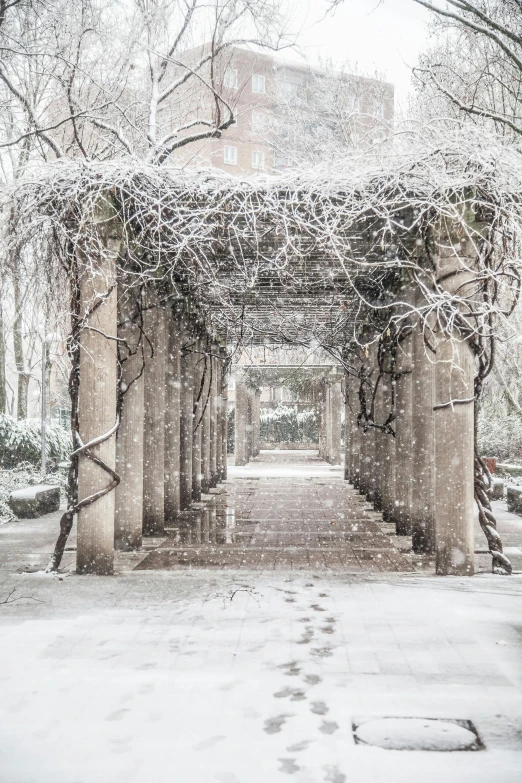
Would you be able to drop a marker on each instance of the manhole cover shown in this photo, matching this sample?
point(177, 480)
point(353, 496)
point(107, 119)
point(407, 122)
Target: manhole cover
point(418, 734)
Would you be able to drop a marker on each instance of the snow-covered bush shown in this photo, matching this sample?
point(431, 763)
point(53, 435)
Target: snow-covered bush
point(286, 424)
point(20, 442)
point(23, 475)
point(499, 431)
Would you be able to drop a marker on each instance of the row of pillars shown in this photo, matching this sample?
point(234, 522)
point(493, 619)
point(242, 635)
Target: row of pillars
point(247, 420)
point(168, 442)
point(421, 478)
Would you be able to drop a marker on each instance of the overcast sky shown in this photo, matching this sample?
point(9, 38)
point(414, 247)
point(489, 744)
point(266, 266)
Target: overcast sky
point(387, 35)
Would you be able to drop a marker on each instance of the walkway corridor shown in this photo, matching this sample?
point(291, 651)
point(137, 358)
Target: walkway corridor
point(283, 511)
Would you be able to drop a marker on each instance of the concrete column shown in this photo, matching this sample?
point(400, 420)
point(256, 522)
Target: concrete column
point(172, 417)
point(355, 432)
point(423, 445)
point(364, 479)
point(370, 470)
point(388, 450)
point(214, 416)
point(454, 457)
point(224, 421)
point(379, 438)
point(336, 402)
point(241, 422)
point(154, 324)
point(129, 444)
point(205, 422)
point(348, 426)
point(197, 427)
point(97, 401)
point(186, 414)
point(321, 408)
point(256, 422)
point(328, 420)
point(249, 426)
point(403, 438)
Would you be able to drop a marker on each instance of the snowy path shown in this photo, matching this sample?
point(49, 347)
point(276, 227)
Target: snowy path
point(171, 676)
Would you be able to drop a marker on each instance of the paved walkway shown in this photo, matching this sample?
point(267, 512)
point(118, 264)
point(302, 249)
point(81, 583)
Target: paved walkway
point(283, 511)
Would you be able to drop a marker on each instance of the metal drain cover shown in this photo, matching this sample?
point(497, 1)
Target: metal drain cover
point(417, 734)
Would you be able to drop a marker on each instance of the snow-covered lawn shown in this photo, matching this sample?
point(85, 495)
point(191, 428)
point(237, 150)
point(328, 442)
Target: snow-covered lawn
point(254, 678)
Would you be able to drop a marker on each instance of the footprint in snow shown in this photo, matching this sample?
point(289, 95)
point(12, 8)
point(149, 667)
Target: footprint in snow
point(298, 746)
point(289, 766)
point(274, 725)
point(319, 708)
point(312, 679)
point(328, 727)
point(334, 776)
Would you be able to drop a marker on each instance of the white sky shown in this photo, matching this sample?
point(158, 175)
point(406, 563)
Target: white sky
point(386, 35)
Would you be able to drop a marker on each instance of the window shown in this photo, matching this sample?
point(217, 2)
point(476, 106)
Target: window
point(258, 83)
point(230, 155)
point(258, 159)
point(378, 110)
point(258, 121)
point(290, 89)
point(230, 79)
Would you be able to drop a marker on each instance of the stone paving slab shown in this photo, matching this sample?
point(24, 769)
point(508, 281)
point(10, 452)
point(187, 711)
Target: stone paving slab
point(269, 523)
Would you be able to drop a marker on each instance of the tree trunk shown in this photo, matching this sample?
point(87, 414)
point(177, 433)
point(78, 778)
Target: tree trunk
point(23, 376)
point(3, 396)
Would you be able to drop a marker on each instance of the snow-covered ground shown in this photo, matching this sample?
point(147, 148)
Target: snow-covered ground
point(199, 677)
point(253, 677)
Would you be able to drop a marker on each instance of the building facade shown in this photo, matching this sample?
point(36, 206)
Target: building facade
point(287, 113)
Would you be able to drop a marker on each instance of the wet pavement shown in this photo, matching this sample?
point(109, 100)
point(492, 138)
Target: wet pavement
point(283, 511)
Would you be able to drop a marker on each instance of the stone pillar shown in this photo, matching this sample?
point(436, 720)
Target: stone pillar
point(454, 458)
point(352, 396)
point(379, 438)
point(205, 423)
point(321, 408)
point(423, 444)
point(172, 417)
point(364, 479)
point(355, 432)
point(336, 401)
point(328, 421)
point(224, 421)
point(154, 324)
point(356, 455)
point(129, 444)
point(197, 418)
point(186, 414)
point(241, 422)
point(256, 422)
point(388, 449)
point(454, 414)
point(214, 417)
point(403, 438)
point(97, 400)
point(249, 426)
point(348, 427)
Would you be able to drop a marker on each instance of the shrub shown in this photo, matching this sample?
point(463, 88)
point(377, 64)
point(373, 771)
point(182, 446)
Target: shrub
point(20, 442)
point(286, 424)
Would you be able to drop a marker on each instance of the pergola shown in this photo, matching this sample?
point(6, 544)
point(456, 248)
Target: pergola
point(167, 272)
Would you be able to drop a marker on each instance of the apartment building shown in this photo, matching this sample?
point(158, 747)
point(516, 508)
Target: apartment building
point(288, 112)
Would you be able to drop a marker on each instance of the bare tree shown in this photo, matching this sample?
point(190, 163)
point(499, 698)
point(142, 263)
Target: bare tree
point(475, 69)
point(99, 82)
point(321, 113)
